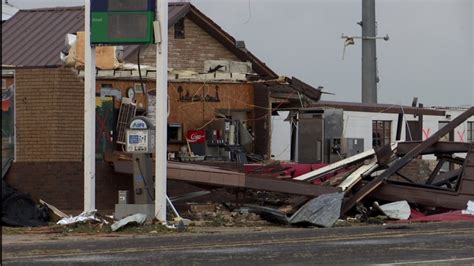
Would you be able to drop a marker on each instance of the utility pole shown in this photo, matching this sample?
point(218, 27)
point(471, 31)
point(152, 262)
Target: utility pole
point(89, 114)
point(161, 127)
point(369, 51)
point(369, 54)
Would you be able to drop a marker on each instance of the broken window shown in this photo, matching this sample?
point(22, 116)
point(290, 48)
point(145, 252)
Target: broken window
point(470, 131)
point(179, 29)
point(175, 132)
point(381, 133)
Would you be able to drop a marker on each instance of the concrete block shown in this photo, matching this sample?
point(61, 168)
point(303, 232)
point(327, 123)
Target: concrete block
point(240, 67)
point(124, 210)
point(239, 76)
point(223, 76)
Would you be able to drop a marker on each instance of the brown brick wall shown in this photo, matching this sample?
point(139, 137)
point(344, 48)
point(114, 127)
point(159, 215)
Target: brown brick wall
point(188, 53)
point(62, 183)
point(49, 115)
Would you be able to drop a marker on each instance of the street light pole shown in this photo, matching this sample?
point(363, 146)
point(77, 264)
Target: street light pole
point(161, 127)
point(89, 114)
point(369, 54)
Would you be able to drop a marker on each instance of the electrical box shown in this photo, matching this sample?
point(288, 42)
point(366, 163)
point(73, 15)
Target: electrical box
point(352, 146)
point(122, 21)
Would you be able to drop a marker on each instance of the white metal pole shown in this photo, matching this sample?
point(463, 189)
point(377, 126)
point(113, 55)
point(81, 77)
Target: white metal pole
point(161, 112)
point(89, 115)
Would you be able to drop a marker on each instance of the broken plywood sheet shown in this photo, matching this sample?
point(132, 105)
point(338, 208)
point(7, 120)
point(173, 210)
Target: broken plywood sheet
point(105, 55)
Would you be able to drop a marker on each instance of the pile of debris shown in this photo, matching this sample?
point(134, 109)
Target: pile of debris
point(378, 175)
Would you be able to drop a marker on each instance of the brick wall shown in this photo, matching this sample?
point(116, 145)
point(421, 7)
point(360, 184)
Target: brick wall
point(188, 53)
point(418, 170)
point(49, 115)
point(62, 183)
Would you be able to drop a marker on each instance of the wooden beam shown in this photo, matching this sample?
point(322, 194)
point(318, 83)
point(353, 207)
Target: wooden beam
point(439, 147)
point(331, 167)
point(357, 175)
point(372, 185)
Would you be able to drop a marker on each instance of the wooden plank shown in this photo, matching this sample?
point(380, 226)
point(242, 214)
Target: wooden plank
point(213, 176)
point(357, 175)
point(287, 186)
point(371, 186)
point(331, 167)
point(439, 147)
point(423, 196)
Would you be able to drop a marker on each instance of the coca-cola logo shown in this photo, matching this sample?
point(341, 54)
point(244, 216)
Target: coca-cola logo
point(196, 137)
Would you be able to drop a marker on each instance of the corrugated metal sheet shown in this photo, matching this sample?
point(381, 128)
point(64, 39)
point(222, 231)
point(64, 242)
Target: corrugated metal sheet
point(35, 37)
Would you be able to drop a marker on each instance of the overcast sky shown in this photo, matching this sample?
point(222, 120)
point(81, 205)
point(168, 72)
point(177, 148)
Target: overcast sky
point(429, 54)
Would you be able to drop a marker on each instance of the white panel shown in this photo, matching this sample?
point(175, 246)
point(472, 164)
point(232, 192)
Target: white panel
point(281, 137)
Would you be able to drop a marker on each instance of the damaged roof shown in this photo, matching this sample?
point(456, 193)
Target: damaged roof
point(34, 38)
point(378, 108)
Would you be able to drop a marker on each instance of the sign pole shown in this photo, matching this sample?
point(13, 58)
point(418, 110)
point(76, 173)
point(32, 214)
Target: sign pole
point(161, 112)
point(89, 114)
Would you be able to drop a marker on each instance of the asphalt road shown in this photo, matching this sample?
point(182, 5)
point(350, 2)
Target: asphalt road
point(422, 244)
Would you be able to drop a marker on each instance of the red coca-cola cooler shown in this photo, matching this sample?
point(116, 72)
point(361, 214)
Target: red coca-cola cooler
point(197, 141)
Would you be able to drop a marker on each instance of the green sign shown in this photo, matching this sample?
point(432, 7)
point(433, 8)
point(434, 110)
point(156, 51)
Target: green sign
point(124, 27)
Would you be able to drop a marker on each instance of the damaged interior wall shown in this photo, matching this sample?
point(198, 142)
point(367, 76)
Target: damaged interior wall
point(193, 105)
point(228, 100)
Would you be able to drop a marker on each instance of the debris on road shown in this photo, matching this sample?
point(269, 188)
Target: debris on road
point(399, 210)
point(83, 217)
point(55, 213)
point(138, 218)
point(321, 211)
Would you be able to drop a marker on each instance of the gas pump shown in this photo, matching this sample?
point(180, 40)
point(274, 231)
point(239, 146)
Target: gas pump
point(140, 141)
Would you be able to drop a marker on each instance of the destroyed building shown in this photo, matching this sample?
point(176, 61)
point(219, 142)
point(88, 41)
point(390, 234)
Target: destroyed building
point(45, 77)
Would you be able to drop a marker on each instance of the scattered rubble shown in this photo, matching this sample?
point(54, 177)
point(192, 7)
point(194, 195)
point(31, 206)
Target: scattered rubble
point(83, 217)
point(340, 194)
point(219, 215)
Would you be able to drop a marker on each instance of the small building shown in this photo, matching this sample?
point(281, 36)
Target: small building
point(328, 131)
